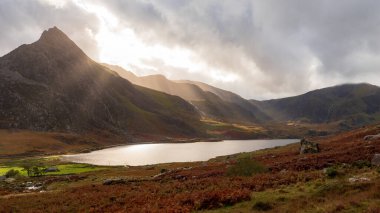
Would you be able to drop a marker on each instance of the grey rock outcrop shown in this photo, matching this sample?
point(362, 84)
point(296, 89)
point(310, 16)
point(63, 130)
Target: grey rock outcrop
point(52, 169)
point(308, 147)
point(376, 160)
point(371, 137)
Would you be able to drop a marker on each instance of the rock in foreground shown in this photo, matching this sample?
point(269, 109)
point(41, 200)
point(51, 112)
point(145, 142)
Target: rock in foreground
point(376, 160)
point(308, 147)
point(371, 137)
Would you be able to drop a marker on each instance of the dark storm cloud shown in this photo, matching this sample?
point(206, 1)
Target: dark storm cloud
point(296, 45)
point(277, 47)
point(22, 21)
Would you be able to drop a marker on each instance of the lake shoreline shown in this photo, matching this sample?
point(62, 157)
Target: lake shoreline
point(157, 153)
point(174, 141)
point(169, 141)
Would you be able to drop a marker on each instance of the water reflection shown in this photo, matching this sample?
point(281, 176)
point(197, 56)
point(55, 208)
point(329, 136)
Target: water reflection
point(144, 154)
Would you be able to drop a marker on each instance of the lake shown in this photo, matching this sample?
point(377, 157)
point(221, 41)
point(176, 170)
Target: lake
point(145, 154)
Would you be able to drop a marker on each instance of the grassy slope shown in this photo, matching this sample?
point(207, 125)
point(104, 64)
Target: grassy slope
point(212, 102)
point(22, 143)
point(293, 183)
point(219, 129)
point(64, 169)
point(322, 195)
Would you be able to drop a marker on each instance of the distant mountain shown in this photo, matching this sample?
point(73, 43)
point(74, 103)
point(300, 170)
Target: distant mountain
point(350, 104)
point(212, 102)
point(53, 85)
point(223, 94)
point(355, 104)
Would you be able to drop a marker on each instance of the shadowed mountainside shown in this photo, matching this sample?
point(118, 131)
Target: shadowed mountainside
point(212, 102)
point(53, 85)
point(353, 104)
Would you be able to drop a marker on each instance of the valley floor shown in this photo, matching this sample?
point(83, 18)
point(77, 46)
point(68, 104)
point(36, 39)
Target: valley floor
point(16, 144)
point(338, 179)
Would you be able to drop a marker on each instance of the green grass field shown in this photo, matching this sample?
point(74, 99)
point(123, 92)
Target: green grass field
point(64, 169)
point(5, 169)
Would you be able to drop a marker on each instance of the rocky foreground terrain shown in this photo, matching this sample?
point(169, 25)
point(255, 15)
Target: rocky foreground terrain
point(341, 175)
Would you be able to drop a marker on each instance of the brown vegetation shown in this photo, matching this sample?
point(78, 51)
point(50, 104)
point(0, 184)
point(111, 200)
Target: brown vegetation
point(23, 143)
point(347, 147)
point(202, 186)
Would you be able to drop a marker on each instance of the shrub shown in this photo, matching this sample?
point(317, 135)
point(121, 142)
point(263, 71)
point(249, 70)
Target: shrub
point(361, 164)
point(331, 172)
point(262, 206)
point(34, 170)
point(246, 167)
point(38, 171)
point(325, 189)
point(12, 173)
point(219, 198)
point(341, 187)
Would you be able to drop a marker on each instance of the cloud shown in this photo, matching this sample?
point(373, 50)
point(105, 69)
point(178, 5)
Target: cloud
point(268, 48)
point(24, 21)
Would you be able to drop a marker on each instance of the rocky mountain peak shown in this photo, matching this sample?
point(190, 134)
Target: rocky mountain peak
point(54, 35)
point(57, 43)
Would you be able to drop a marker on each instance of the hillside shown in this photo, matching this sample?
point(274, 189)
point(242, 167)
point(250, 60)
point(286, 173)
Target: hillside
point(212, 102)
point(353, 104)
point(223, 94)
point(52, 85)
point(280, 180)
point(348, 106)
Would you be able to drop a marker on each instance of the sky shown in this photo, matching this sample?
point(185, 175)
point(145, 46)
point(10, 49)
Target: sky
point(259, 49)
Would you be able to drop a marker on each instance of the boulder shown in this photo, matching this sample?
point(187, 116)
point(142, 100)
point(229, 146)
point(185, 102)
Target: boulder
point(376, 160)
point(371, 137)
point(52, 169)
point(9, 180)
point(2, 178)
point(308, 147)
point(358, 179)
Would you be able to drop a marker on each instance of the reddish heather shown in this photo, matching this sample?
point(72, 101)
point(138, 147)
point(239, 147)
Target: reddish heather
point(201, 187)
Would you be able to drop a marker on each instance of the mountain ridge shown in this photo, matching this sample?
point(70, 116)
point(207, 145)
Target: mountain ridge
point(323, 105)
point(357, 104)
point(52, 85)
point(212, 102)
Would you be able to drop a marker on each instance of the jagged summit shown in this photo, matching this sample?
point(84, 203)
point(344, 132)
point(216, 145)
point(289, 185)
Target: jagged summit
point(53, 53)
point(54, 35)
point(56, 41)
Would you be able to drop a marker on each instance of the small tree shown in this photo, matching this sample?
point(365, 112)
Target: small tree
point(28, 168)
point(38, 171)
point(34, 170)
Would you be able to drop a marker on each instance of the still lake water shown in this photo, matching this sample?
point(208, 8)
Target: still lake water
point(145, 154)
